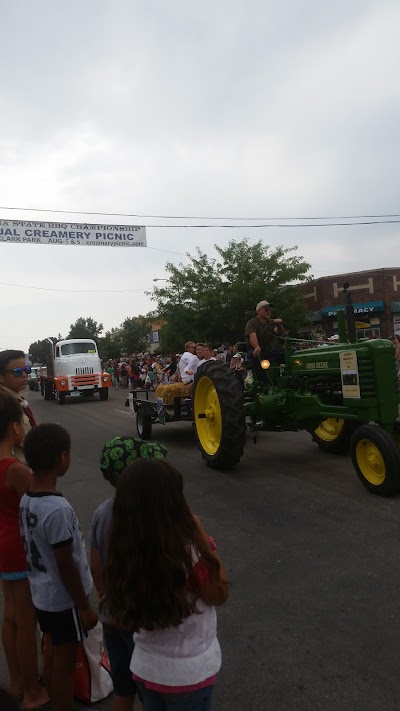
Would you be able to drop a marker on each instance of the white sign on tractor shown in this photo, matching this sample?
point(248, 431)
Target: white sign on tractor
point(81, 235)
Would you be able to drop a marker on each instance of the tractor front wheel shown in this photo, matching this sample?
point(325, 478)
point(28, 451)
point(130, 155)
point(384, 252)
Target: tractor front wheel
point(218, 415)
point(376, 459)
point(333, 435)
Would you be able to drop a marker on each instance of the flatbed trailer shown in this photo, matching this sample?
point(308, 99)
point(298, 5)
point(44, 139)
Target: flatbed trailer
point(151, 412)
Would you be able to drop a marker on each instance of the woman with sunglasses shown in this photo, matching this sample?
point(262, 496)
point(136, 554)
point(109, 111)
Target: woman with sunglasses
point(13, 380)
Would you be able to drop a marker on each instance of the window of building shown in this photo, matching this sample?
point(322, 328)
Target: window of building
point(374, 332)
point(155, 337)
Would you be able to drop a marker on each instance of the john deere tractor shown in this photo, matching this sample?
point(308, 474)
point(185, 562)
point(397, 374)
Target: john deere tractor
point(345, 394)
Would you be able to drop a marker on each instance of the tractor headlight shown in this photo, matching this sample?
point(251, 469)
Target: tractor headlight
point(63, 382)
point(265, 364)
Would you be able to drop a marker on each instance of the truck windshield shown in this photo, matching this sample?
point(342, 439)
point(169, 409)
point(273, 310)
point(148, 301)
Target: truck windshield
point(75, 348)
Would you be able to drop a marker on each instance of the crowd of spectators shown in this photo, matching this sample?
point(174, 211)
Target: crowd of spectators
point(147, 370)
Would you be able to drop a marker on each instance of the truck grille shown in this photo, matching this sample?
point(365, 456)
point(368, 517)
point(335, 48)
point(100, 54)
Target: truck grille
point(87, 370)
point(87, 379)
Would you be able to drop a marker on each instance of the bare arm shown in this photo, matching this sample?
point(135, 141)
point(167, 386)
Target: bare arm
point(213, 593)
point(279, 330)
point(19, 478)
point(69, 574)
point(254, 343)
point(96, 570)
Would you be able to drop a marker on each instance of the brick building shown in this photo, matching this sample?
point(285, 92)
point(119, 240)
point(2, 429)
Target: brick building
point(376, 300)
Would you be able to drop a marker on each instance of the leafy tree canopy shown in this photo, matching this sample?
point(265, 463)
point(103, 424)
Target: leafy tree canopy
point(212, 298)
point(85, 328)
point(39, 350)
point(130, 337)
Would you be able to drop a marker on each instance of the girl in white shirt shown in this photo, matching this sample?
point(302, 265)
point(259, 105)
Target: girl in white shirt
point(163, 579)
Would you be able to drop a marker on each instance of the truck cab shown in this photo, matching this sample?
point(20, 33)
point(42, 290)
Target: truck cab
point(75, 369)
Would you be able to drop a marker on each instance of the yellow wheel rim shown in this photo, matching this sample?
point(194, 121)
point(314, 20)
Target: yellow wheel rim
point(209, 424)
point(329, 429)
point(370, 462)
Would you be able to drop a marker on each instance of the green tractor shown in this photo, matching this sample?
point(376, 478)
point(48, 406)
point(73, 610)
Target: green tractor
point(346, 395)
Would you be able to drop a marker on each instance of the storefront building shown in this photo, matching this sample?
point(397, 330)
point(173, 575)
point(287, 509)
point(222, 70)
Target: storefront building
point(376, 301)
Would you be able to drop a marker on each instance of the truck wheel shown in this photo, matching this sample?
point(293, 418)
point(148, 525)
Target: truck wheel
point(48, 391)
point(143, 425)
point(376, 459)
point(333, 435)
point(103, 393)
point(219, 415)
point(61, 398)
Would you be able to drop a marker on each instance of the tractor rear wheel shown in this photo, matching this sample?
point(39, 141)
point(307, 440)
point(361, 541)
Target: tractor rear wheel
point(376, 459)
point(144, 424)
point(333, 435)
point(218, 415)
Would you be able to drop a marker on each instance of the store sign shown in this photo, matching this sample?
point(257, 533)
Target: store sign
point(77, 234)
point(371, 307)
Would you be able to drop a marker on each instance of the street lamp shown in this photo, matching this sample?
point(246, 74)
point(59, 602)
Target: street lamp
point(160, 279)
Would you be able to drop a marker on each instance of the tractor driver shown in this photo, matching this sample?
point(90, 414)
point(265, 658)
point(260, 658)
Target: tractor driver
point(260, 340)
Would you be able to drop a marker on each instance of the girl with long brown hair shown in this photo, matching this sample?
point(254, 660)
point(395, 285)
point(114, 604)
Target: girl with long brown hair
point(162, 580)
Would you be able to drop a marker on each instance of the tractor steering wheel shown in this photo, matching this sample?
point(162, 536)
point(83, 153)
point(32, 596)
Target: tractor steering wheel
point(270, 329)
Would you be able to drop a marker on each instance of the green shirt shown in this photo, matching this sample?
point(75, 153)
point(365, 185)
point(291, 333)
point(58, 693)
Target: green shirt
point(265, 338)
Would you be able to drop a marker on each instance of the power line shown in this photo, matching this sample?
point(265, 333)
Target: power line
point(200, 217)
point(275, 224)
point(75, 291)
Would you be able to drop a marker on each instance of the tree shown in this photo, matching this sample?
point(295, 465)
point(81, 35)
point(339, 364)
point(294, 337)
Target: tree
point(212, 299)
point(39, 350)
point(85, 328)
point(134, 333)
point(130, 337)
point(110, 345)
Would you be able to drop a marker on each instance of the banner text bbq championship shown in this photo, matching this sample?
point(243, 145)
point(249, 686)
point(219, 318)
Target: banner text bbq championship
point(82, 235)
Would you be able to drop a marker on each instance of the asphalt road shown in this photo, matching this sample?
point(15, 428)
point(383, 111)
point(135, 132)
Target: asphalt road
point(312, 622)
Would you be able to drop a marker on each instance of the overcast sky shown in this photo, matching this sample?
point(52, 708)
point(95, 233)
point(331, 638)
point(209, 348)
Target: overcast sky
point(219, 108)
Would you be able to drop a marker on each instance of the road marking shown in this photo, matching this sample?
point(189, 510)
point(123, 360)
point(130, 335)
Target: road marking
point(124, 412)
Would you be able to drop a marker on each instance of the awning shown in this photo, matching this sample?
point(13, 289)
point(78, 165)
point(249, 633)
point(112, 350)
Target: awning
point(367, 308)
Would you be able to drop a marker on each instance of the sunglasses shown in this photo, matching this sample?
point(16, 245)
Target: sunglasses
point(18, 372)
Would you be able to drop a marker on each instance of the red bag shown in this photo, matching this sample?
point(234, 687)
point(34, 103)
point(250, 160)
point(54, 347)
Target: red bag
point(92, 675)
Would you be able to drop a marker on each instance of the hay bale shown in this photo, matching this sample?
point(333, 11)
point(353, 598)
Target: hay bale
point(171, 390)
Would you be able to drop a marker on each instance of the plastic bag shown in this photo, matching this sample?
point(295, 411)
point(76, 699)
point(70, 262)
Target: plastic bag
point(92, 676)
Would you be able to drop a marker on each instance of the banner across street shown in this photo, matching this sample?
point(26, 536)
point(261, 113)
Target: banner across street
point(77, 234)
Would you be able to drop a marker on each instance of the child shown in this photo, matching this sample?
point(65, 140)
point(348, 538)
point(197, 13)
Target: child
point(115, 456)
point(58, 572)
point(162, 580)
point(19, 621)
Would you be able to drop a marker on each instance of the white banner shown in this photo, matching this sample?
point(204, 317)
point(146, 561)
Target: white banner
point(82, 235)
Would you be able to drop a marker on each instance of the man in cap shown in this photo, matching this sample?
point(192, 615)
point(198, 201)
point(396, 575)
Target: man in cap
point(259, 339)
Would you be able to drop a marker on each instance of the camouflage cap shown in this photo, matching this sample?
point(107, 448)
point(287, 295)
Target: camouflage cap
point(118, 452)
